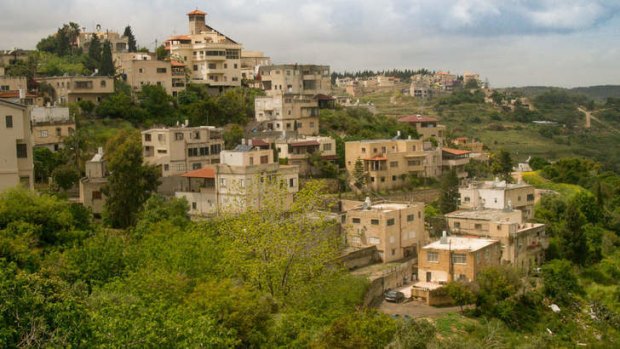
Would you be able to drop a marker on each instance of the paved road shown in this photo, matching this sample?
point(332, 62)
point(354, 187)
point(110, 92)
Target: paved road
point(415, 309)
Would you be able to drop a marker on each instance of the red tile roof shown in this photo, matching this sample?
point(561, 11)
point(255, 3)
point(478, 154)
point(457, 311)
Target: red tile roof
point(207, 172)
point(177, 64)
point(257, 142)
point(416, 119)
point(15, 94)
point(455, 151)
point(196, 12)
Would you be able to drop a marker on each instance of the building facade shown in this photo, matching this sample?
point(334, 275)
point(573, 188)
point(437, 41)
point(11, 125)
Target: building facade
point(288, 113)
point(180, 149)
point(91, 186)
point(396, 229)
point(211, 57)
point(118, 43)
point(16, 156)
point(304, 79)
point(72, 89)
point(50, 126)
point(455, 159)
point(140, 69)
point(427, 127)
point(499, 195)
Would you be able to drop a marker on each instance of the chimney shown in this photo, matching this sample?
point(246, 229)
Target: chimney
point(444, 238)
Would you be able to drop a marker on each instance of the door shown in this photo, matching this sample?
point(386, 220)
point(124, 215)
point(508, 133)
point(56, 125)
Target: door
point(428, 276)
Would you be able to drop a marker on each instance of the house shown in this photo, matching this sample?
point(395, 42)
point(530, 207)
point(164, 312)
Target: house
point(498, 195)
point(387, 163)
point(246, 178)
point(91, 186)
point(396, 229)
point(296, 79)
point(15, 89)
point(50, 126)
point(177, 150)
point(469, 77)
point(118, 43)
point(16, 156)
point(139, 69)
point(427, 127)
point(522, 243)
point(72, 89)
point(288, 113)
point(297, 151)
point(457, 258)
point(455, 159)
point(470, 144)
point(251, 61)
point(210, 57)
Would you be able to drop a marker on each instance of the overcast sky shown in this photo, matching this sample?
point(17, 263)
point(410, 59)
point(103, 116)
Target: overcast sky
point(511, 42)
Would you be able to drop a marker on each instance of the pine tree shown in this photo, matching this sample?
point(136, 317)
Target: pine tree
point(106, 68)
point(94, 53)
point(131, 39)
point(448, 201)
point(358, 174)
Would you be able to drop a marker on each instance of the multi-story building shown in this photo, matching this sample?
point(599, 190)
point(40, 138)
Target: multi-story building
point(16, 156)
point(304, 79)
point(455, 159)
point(179, 77)
point(211, 57)
point(498, 195)
point(388, 162)
point(12, 83)
point(427, 127)
point(118, 42)
point(250, 62)
point(72, 89)
point(246, 178)
point(396, 229)
point(297, 151)
point(91, 186)
point(457, 258)
point(469, 76)
point(180, 149)
point(139, 69)
point(50, 126)
point(288, 113)
point(522, 243)
point(470, 144)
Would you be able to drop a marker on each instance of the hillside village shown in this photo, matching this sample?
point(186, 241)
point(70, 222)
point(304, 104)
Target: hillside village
point(410, 203)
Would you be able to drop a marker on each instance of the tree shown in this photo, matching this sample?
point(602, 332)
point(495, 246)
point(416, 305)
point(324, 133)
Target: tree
point(158, 104)
point(538, 163)
point(560, 281)
point(574, 241)
point(94, 53)
point(130, 182)
point(460, 293)
point(497, 287)
point(359, 176)
point(362, 329)
point(161, 52)
point(413, 334)
point(232, 136)
point(448, 199)
point(65, 176)
point(106, 67)
point(502, 164)
point(131, 39)
point(45, 161)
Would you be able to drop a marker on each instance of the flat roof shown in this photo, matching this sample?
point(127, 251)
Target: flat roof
point(386, 206)
point(498, 185)
point(417, 118)
point(460, 243)
point(494, 215)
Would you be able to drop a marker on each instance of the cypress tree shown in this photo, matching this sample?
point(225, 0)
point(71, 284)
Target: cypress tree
point(106, 67)
point(94, 52)
point(131, 39)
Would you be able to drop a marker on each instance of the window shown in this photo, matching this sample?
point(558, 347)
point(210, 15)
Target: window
point(374, 240)
point(194, 205)
point(162, 70)
point(196, 166)
point(393, 178)
point(410, 217)
point(232, 54)
point(58, 131)
point(382, 179)
point(432, 257)
point(530, 197)
point(161, 137)
point(457, 224)
point(192, 152)
point(477, 226)
point(383, 150)
point(223, 182)
point(519, 198)
point(216, 149)
point(393, 252)
point(466, 199)
point(393, 163)
point(363, 150)
point(9, 121)
point(22, 151)
point(4, 87)
point(102, 83)
point(147, 138)
point(264, 159)
point(327, 146)
point(413, 163)
point(212, 66)
point(84, 84)
point(204, 151)
point(178, 136)
point(390, 222)
point(291, 182)
point(166, 167)
point(459, 258)
point(43, 133)
point(374, 221)
point(235, 65)
point(96, 195)
point(162, 151)
point(356, 220)
point(195, 67)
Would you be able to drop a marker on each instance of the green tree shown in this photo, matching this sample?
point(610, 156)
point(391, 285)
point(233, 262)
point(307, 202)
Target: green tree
point(106, 67)
point(359, 176)
point(502, 164)
point(130, 182)
point(574, 241)
point(131, 39)
point(232, 136)
point(413, 334)
point(538, 163)
point(449, 197)
point(161, 53)
point(362, 329)
point(45, 161)
point(94, 53)
point(460, 293)
point(497, 287)
point(560, 282)
point(65, 176)
point(157, 104)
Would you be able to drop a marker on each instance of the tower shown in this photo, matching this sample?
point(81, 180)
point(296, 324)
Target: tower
point(196, 21)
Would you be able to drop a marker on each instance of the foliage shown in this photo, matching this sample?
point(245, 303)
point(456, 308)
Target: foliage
point(94, 53)
point(501, 165)
point(538, 163)
point(359, 175)
point(560, 281)
point(107, 64)
point(362, 329)
point(131, 39)
point(572, 171)
point(460, 293)
point(413, 334)
point(233, 136)
point(130, 182)
point(63, 43)
point(65, 176)
point(157, 104)
point(45, 161)
point(361, 123)
point(449, 197)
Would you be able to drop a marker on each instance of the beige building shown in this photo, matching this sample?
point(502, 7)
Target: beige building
point(138, 69)
point(300, 79)
point(180, 149)
point(91, 186)
point(250, 62)
point(180, 76)
point(211, 57)
point(387, 163)
point(469, 76)
point(469, 144)
point(522, 243)
point(427, 127)
point(288, 113)
point(50, 126)
point(297, 151)
point(12, 83)
point(457, 258)
point(16, 156)
point(246, 177)
point(118, 42)
point(498, 195)
point(396, 229)
point(72, 89)
point(455, 159)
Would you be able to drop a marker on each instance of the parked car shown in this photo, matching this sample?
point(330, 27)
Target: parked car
point(394, 296)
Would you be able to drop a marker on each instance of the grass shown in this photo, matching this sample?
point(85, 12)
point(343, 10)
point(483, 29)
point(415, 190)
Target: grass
point(566, 190)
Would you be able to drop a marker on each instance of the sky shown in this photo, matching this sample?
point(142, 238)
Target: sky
point(564, 43)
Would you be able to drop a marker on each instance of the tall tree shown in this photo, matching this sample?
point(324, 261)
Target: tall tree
point(574, 239)
point(130, 182)
point(131, 39)
point(502, 165)
point(359, 177)
point(448, 200)
point(94, 53)
point(106, 67)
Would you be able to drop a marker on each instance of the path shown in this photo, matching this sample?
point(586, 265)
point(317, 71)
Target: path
point(588, 116)
point(416, 309)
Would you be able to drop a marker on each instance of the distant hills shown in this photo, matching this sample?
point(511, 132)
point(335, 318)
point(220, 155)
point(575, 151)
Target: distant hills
point(601, 92)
